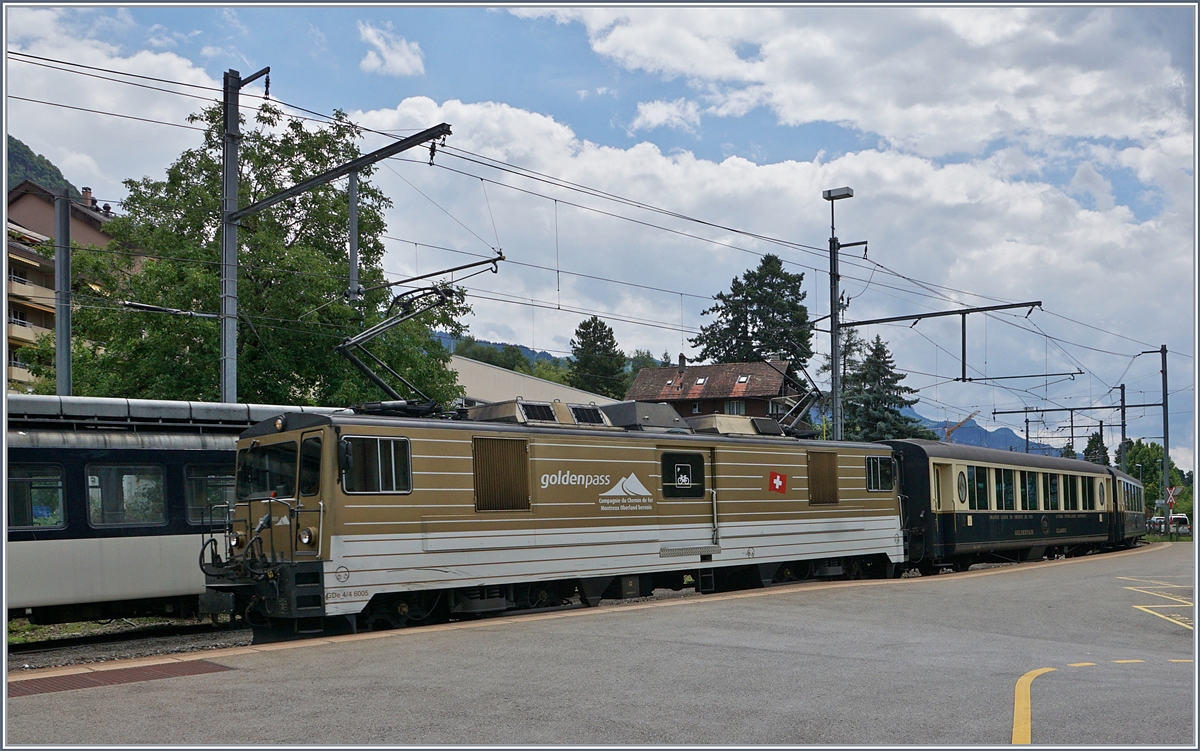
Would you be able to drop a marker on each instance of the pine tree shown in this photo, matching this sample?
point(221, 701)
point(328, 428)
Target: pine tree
point(599, 366)
point(763, 316)
point(873, 396)
point(1068, 452)
point(1095, 451)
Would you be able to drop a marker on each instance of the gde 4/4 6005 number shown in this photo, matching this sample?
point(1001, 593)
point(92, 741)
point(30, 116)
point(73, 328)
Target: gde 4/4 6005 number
point(350, 594)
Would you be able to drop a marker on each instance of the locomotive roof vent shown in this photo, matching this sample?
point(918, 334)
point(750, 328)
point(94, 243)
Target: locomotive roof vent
point(645, 416)
point(541, 414)
point(734, 425)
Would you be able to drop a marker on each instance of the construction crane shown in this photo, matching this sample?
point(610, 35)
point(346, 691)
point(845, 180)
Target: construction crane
point(958, 425)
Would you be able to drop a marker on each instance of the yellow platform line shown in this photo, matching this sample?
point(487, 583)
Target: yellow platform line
point(1159, 594)
point(1126, 662)
point(1149, 609)
point(1081, 664)
point(1021, 719)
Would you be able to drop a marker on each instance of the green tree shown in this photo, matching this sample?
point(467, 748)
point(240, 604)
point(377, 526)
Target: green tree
point(1150, 457)
point(552, 370)
point(873, 397)
point(1095, 450)
point(24, 164)
point(598, 365)
point(762, 316)
point(642, 358)
point(1068, 451)
point(851, 349)
point(293, 269)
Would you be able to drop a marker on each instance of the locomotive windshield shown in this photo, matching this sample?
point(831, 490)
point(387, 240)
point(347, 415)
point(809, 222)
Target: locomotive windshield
point(266, 469)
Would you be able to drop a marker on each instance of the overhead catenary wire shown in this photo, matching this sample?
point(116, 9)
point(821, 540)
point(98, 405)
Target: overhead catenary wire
point(928, 287)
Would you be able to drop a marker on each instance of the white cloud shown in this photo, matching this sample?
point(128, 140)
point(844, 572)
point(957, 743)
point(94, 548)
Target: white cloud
point(1088, 180)
point(230, 17)
point(1021, 75)
point(393, 55)
point(680, 114)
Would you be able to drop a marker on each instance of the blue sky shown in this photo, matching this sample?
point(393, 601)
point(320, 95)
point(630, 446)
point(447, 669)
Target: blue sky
point(996, 154)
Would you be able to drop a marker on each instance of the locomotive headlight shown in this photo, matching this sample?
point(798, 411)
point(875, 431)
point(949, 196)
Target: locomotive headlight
point(280, 422)
point(237, 540)
point(308, 536)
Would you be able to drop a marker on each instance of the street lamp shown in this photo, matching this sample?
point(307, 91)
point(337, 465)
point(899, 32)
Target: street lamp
point(835, 362)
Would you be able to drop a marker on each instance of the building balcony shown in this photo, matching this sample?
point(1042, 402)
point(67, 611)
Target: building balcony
point(24, 333)
point(35, 293)
point(18, 376)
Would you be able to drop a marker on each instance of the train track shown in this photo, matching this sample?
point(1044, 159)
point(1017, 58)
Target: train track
point(149, 640)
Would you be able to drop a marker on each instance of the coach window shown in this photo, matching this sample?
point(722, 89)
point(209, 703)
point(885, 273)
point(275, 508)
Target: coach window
point(310, 465)
point(1101, 492)
point(120, 494)
point(378, 465)
point(879, 473)
point(1088, 492)
point(1029, 483)
point(682, 475)
point(1070, 493)
point(1005, 488)
point(208, 492)
point(977, 488)
point(1050, 491)
point(35, 495)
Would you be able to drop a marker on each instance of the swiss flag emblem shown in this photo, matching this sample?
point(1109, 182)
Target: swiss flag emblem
point(777, 483)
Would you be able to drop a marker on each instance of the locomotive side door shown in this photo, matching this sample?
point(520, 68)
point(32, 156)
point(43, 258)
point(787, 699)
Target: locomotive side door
point(688, 495)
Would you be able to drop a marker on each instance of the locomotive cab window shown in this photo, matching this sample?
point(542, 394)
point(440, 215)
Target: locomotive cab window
point(682, 475)
point(125, 494)
point(208, 492)
point(35, 496)
point(879, 473)
point(267, 469)
point(377, 465)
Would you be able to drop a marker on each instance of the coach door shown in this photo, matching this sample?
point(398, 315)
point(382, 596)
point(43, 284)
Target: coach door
point(686, 479)
point(942, 494)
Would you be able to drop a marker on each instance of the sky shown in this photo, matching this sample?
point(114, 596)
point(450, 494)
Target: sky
point(997, 155)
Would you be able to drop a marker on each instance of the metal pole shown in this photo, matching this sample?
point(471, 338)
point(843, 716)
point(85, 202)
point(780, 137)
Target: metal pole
point(835, 360)
point(354, 293)
point(229, 233)
point(1026, 432)
point(1166, 467)
point(1123, 439)
point(62, 292)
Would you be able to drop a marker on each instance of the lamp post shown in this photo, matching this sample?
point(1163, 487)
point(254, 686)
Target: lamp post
point(835, 361)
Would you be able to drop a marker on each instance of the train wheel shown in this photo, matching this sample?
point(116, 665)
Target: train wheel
point(927, 568)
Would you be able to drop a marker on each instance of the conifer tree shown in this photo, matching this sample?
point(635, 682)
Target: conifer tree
point(873, 396)
point(1095, 451)
point(762, 316)
point(599, 366)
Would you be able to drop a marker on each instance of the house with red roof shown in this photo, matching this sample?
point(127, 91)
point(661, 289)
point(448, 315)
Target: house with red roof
point(755, 389)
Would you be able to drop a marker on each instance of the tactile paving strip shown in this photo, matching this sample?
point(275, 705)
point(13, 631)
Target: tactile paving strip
point(111, 677)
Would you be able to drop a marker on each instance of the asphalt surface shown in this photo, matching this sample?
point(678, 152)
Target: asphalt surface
point(931, 660)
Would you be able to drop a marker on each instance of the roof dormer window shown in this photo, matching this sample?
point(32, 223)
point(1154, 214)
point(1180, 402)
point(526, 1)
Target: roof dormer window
point(743, 379)
point(700, 381)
